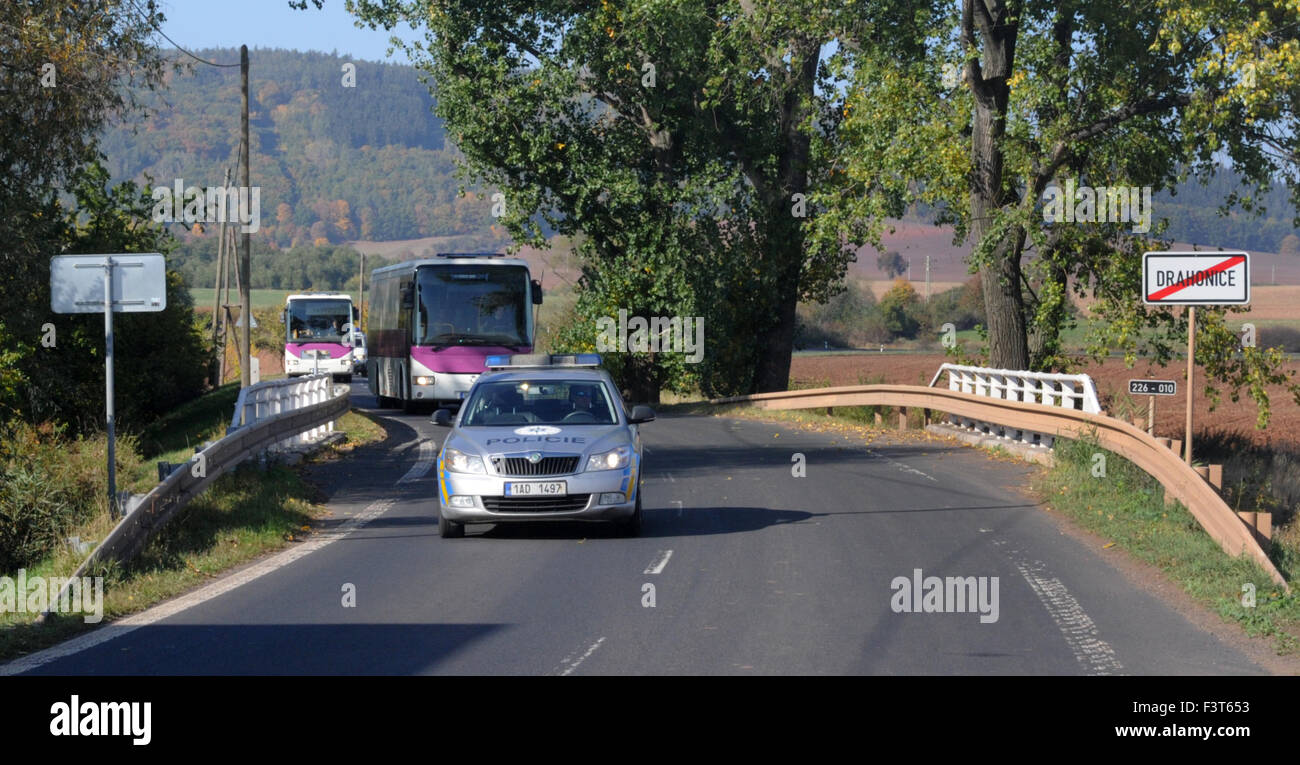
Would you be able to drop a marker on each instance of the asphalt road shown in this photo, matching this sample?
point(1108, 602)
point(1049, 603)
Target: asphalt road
point(754, 571)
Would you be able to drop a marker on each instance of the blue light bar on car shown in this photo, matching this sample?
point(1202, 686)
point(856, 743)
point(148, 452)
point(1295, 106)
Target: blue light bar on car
point(542, 360)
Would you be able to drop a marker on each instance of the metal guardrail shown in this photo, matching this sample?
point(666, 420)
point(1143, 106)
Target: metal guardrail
point(270, 399)
point(1046, 388)
point(1180, 481)
point(1068, 391)
point(309, 408)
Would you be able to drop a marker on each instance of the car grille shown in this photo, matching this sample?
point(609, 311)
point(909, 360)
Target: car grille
point(520, 466)
point(567, 502)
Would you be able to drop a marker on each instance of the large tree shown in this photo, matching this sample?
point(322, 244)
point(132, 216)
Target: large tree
point(65, 70)
point(1017, 96)
point(678, 137)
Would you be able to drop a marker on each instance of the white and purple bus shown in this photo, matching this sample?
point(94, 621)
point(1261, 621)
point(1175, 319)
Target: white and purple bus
point(433, 323)
point(318, 338)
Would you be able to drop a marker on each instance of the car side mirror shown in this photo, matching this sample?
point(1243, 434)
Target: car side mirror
point(537, 292)
point(442, 417)
point(641, 413)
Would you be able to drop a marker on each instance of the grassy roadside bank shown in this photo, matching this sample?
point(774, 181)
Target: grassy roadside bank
point(1126, 506)
point(241, 516)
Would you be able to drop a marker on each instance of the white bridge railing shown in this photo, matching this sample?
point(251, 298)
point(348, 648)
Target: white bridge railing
point(1057, 390)
point(267, 400)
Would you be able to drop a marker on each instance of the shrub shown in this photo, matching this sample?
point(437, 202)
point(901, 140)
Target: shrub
point(48, 485)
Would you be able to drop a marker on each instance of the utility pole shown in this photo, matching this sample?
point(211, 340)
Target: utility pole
point(361, 288)
point(927, 278)
point(219, 351)
point(245, 272)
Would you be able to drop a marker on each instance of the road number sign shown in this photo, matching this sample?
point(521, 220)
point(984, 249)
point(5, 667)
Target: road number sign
point(1152, 387)
point(1196, 278)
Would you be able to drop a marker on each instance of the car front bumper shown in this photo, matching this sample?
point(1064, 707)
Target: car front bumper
point(592, 484)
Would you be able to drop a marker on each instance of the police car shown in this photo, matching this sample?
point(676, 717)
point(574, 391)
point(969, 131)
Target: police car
point(541, 437)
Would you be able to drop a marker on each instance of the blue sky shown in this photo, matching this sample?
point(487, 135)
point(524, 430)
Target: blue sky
point(272, 24)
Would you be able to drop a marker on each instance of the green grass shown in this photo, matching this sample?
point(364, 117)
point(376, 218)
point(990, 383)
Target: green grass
point(1126, 506)
point(190, 424)
point(241, 516)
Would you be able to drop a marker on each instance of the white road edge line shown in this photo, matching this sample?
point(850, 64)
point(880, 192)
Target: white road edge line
point(661, 560)
point(428, 456)
point(580, 659)
point(132, 623)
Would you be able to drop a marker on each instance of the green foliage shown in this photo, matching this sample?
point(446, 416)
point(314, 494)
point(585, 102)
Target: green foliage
point(158, 356)
point(995, 113)
point(648, 127)
point(898, 307)
point(300, 268)
point(49, 483)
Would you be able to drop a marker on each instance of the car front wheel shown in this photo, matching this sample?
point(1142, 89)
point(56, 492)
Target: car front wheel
point(449, 529)
point(632, 526)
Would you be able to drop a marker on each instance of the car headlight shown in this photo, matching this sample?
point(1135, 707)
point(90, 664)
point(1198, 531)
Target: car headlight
point(460, 462)
point(610, 460)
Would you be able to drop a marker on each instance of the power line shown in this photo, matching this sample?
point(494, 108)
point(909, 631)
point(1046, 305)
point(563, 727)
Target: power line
point(158, 29)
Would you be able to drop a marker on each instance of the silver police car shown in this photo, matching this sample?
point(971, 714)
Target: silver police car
point(541, 437)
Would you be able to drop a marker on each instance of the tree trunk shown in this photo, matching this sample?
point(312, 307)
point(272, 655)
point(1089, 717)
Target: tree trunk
point(776, 345)
point(784, 239)
point(1000, 276)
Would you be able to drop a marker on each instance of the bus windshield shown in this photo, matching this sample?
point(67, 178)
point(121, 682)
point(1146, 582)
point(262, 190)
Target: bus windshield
point(319, 320)
point(472, 305)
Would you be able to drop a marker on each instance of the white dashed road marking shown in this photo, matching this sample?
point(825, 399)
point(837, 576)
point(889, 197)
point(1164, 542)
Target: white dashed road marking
point(572, 665)
point(905, 468)
point(661, 560)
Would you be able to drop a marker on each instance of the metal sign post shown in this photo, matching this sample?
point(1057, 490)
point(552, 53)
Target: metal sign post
point(1192, 279)
point(124, 283)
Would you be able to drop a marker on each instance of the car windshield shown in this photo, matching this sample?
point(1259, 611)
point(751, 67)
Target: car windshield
point(539, 402)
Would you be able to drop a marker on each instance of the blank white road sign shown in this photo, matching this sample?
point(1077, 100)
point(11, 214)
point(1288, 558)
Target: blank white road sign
point(1195, 278)
point(77, 283)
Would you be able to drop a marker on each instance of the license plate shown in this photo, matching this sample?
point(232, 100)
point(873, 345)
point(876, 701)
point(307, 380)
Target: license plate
point(535, 489)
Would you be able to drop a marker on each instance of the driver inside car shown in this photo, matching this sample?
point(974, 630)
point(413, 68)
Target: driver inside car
point(582, 399)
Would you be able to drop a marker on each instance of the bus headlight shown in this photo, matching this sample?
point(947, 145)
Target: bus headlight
point(424, 381)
